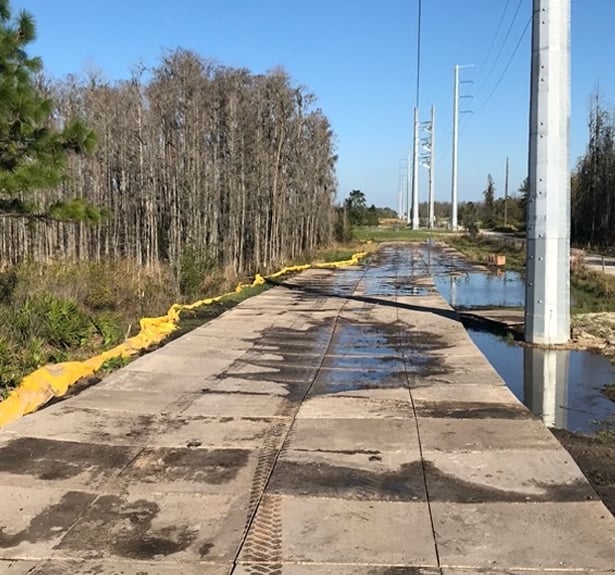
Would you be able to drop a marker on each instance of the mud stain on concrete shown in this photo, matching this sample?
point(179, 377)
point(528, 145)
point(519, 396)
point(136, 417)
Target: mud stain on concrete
point(447, 487)
point(211, 466)
point(402, 571)
point(472, 410)
point(407, 483)
point(53, 460)
point(324, 480)
point(50, 523)
point(114, 526)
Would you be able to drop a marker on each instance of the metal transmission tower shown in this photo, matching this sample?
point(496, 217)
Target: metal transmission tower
point(547, 292)
point(456, 83)
point(428, 160)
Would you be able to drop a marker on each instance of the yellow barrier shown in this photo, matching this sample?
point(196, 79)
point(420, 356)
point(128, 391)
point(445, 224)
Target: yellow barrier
point(53, 380)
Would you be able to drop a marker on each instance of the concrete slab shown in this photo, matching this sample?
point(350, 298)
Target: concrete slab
point(472, 410)
point(240, 404)
point(201, 346)
point(305, 357)
point(123, 567)
point(273, 371)
point(331, 381)
point(325, 530)
point(516, 572)
point(16, 567)
point(151, 382)
point(104, 398)
point(446, 434)
point(41, 463)
point(376, 476)
point(227, 384)
point(203, 365)
point(346, 407)
point(34, 520)
point(448, 376)
point(222, 432)
point(358, 435)
point(64, 422)
point(505, 475)
point(331, 569)
point(537, 536)
point(469, 392)
point(366, 361)
point(181, 527)
point(215, 471)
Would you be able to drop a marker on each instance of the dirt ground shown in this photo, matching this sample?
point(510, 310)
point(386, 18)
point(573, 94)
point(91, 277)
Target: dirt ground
point(595, 332)
point(596, 458)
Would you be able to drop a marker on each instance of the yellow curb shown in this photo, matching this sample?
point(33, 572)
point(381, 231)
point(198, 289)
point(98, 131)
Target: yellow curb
point(53, 380)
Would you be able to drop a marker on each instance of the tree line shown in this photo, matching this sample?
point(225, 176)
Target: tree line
point(593, 182)
point(195, 162)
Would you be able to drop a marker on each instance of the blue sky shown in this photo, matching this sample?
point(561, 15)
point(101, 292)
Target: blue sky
point(359, 58)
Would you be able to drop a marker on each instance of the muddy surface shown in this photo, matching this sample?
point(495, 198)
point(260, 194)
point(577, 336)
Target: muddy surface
point(594, 332)
point(596, 458)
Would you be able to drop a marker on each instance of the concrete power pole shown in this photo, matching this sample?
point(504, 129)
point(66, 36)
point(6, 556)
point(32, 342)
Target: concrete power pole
point(506, 195)
point(547, 293)
point(402, 187)
point(415, 172)
point(408, 187)
point(454, 223)
point(455, 140)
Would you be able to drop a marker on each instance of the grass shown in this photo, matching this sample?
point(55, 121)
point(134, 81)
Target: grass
point(402, 234)
point(478, 249)
point(592, 291)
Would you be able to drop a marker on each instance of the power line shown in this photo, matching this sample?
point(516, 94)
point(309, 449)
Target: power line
point(418, 55)
point(495, 36)
point(497, 58)
point(512, 56)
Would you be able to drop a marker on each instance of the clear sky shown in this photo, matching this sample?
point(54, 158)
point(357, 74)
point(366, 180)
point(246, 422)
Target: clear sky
point(359, 58)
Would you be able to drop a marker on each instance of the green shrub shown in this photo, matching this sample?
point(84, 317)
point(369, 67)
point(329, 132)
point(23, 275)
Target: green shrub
point(109, 327)
point(193, 267)
point(59, 322)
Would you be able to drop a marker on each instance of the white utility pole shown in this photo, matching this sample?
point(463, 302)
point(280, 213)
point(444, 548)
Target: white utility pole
point(547, 293)
point(408, 187)
point(506, 195)
point(432, 158)
point(454, 223)
point(455, 139)
point(415, 172)
point(402, 187)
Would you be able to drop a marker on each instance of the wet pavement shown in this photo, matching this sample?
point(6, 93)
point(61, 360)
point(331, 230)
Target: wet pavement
point(342, 422)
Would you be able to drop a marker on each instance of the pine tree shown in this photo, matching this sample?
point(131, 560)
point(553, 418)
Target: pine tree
point(489, 206)
point(33, 151)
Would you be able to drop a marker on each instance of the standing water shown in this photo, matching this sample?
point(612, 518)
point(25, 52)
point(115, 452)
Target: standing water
point(563, 387)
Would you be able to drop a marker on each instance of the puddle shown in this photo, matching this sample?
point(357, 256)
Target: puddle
point(482, 289)
point(562, 387)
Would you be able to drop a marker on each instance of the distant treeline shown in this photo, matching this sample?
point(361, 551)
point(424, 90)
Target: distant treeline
point(593, 182)
point(194, 161)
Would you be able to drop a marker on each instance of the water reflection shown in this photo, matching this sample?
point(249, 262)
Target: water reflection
point(481, 289)
point(562, 387)
point(545, 384)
